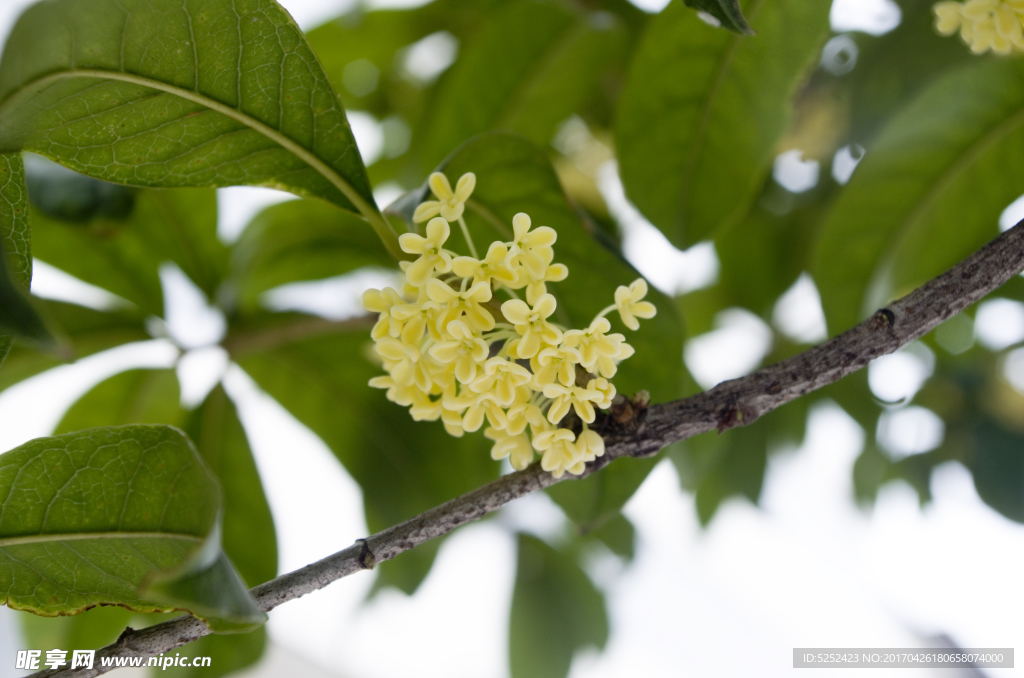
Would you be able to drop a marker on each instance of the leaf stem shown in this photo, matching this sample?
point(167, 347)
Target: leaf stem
point(469, 239)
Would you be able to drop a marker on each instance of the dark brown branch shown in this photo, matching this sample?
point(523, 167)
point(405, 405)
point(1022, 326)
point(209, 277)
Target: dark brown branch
point(732, 403)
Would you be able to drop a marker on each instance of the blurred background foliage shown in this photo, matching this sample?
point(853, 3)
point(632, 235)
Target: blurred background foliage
point(914, 150)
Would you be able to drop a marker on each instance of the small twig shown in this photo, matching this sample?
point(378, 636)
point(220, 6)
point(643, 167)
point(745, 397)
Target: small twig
point(732, 403)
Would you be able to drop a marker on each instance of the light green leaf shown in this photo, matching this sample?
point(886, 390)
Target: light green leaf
point(703, 109)
point(249, 537)
point(118, 516)
point(619, 535)
point(403, 467)
point(294, 241)
point(762, 256)
point(141, 396)
point(527, 69)
point(556, 610)
point(132, 397)
point(17, 317)
point(728, 12)
point(934, 183)
point(597, 499)
point(167, 93)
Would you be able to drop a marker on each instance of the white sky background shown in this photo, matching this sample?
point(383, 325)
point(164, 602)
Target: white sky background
point(806, 568)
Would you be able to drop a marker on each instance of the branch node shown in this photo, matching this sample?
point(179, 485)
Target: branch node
point(889, 316)
point(735, 414)
point(367, 560)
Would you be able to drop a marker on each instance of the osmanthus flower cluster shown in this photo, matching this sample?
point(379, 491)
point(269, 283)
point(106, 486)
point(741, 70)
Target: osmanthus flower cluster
point(469, 339)
point(984, 24)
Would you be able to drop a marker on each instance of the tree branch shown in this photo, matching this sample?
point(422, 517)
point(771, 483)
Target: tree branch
point(641, 433)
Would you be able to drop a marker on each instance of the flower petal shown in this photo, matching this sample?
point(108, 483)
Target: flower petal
point(426, 210)
point(464, 187)
point(440, 186)
point(437, 231)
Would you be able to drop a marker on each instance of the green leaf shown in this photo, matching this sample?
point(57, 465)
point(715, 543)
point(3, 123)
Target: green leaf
point(379, 35)
point(762, 256)
point(717, 467)
point(17, 317)
point(619, 535)
point(703, 109)
point(877, 90)
point(728, 12)
point(167, 93)
point(928, 192)
point(249, 537)
point(248, 530)
point(513, 175)
point(597, 499)
point(530, 66)
point(67, 195)
point(403, 467)
point(122, 253)
point(555, 611)
point(116, 516)
point(294, 241)
point(79, 332)
point(15, 231)
point(132, 397)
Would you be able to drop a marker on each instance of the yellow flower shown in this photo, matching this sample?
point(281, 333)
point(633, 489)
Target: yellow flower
point(983, 24)
point(593, 343)
point(383, 302)
point(465, 349)
point(577, 397)
point(494, 266)
point(396, 393)
point(417, 317)
point(403, 363)
point(426, 409)
point(523, 413)
point(555, 363)
point(449, 204)
point(432, 256)
point(532, 249)
point(477, 406)
point(532, 324)
point(560, 452)
point(949, 17)
point(538, 287)
point(503, 378)
point(629, 304)
point(607, 366)
point(604, 390)
point(589, 445)
point(516, 447)
point(452, 423)
point(462, 304)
